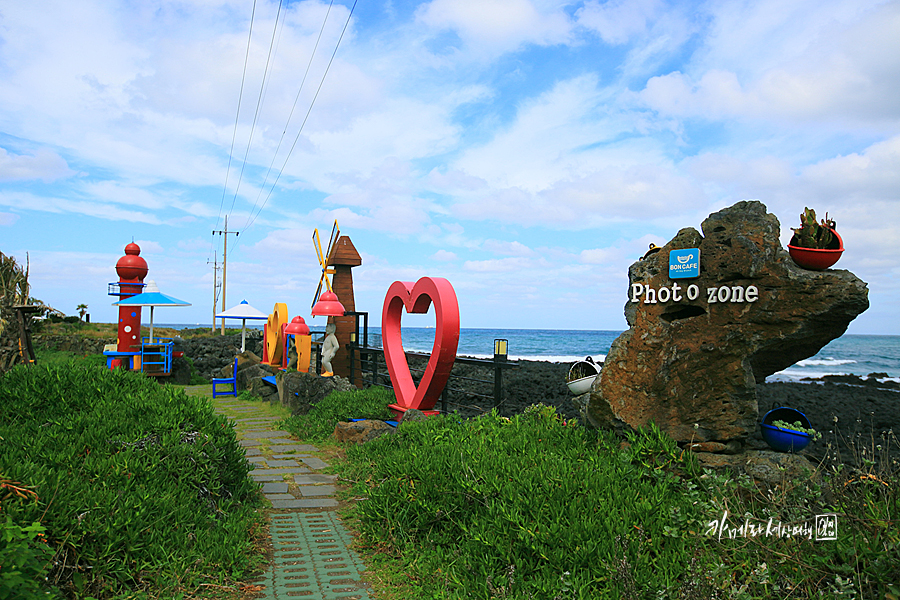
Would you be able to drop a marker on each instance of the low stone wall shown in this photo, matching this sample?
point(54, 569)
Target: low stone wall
point(210, 355)
point(71, 343)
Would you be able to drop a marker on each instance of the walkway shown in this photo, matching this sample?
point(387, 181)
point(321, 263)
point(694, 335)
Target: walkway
point(312, 557)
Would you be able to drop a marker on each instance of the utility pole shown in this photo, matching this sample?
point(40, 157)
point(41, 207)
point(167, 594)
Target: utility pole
point(215, 264)
point(224, 264)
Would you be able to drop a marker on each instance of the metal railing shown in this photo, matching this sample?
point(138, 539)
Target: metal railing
point(373, 370)
point(368, 367)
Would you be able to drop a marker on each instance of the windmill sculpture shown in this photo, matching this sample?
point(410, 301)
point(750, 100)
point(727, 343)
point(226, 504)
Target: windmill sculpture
point(327, 308)
point(337, 299)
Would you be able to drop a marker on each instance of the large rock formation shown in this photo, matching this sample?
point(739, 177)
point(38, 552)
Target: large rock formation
point(696, 348)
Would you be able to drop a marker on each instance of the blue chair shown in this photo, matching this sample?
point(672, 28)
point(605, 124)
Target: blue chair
point(226, 381)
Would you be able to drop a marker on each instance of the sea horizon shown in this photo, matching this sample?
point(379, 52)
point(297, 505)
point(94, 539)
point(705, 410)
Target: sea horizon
point(851, 354)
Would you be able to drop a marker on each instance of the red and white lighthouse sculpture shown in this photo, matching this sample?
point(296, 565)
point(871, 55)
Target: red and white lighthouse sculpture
point(131, 269)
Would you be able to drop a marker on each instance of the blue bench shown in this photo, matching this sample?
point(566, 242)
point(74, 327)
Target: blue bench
point(226, 381)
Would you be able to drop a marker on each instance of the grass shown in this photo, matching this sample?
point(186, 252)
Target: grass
point(138, 488)
point(537, 507)
point(318, 425)
point(57, 358)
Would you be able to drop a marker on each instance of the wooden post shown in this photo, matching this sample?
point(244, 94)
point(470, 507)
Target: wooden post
point(26, 350)
point(343, 258)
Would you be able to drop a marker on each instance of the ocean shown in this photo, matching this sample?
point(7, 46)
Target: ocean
point(847, 355)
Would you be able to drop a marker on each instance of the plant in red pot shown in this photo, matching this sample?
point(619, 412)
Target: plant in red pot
point(816, 245)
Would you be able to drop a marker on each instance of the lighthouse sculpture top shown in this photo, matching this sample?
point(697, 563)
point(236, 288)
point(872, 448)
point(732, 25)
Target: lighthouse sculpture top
point(131, 267)
point(131, 270)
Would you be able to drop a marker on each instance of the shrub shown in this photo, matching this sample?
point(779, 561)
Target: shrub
point(24, 561)
point(139, 484)
point(319, 423)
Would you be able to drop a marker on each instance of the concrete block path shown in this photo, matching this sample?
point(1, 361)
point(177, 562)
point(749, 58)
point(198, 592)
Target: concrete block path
point(312, 555)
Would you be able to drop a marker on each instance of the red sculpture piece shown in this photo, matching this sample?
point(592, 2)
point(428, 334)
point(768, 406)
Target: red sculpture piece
point(417, 298)
point(131, 270)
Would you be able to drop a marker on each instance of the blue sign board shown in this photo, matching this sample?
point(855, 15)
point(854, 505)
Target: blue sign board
point(684, 264)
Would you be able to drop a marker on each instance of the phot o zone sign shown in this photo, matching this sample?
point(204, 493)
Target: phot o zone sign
point(684, 264)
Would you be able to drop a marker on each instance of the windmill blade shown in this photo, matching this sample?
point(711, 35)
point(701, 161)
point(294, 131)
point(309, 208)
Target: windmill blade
point(323, 258)
point(317, 244)
point(318, 291)
point(335, 234)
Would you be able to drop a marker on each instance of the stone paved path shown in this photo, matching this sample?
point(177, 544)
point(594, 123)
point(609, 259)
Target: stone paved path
point(313, 559)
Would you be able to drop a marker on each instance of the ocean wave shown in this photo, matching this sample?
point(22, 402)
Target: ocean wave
point(795, 375)
point(825, 362)
point(598, 358)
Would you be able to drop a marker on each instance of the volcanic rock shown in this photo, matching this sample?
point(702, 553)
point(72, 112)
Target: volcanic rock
point(361, 432)
point(762, 465)
point(696, 348)
point(412, 415)
point(299, 392)
point(250, 373)
point(263, 390)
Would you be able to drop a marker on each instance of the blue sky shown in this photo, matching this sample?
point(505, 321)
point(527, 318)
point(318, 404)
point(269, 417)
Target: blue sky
point(528, 151)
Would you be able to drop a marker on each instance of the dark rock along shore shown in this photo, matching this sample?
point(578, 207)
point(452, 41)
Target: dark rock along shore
point(861, 406)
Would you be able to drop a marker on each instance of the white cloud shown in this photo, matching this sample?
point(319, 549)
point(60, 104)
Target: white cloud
point(43, 164)
point(728, 170)
point(8, 219)
point(645, 191)
point(618, 21)
point(498, 265)
point(598, 256)
point(873, 175)
point(48, 204)
point(443, 256)
point(496, 26)
point(513, 248)
point(149, 247)
point(826, 67)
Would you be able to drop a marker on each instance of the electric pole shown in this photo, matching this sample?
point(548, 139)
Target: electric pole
point(215, 264)
point(224, 234)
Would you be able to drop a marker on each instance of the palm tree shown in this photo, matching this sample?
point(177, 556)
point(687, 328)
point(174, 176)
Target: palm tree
point(81, 308)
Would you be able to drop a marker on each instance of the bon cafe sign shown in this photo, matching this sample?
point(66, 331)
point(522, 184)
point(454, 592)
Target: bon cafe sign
point(685, 264)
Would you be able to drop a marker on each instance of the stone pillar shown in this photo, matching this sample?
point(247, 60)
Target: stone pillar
point(343, 258)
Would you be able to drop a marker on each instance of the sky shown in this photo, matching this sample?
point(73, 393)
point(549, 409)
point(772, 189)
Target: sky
point(526, 150)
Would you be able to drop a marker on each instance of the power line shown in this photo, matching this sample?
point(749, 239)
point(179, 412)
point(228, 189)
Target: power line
point(236, 117)
point(291, 115)
point(297, 138)
point(258, 105)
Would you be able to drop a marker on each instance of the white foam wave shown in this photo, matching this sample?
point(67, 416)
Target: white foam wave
point(825, 362)
point(544, 358)
point(562, 359)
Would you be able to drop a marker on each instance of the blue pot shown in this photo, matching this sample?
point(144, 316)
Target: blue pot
point(784, 440)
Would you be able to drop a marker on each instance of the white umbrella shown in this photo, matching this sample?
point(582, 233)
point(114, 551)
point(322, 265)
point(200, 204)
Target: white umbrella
point(152, 297)
point(242, 311)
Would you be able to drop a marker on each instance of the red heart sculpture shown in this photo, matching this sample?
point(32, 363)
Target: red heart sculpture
point(417, 299)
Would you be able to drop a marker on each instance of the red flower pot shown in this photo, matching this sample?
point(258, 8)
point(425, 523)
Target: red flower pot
point(816, 259)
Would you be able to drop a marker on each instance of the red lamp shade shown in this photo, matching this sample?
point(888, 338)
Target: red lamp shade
point(328, 306)
point(297, 326)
